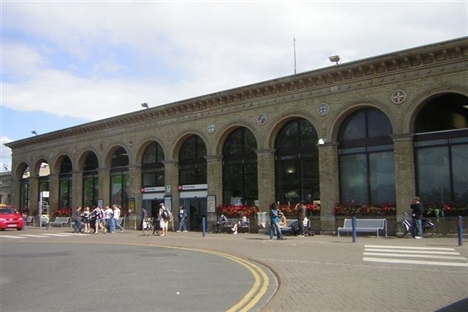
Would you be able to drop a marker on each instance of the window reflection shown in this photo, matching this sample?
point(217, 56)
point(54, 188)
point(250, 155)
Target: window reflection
point(366, 159)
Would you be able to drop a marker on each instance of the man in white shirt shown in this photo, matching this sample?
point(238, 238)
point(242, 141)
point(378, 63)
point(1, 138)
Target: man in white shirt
point(117, 217)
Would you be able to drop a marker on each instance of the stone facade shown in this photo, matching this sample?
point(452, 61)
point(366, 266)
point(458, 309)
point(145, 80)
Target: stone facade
point(399, 84)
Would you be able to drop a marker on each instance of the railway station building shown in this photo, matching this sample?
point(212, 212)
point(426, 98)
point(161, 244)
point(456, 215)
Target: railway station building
point(376, 131)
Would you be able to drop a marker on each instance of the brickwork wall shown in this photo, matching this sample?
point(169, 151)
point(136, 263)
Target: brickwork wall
point(345, 88)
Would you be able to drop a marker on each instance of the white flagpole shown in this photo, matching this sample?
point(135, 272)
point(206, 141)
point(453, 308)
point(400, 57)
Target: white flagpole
point(294, 43)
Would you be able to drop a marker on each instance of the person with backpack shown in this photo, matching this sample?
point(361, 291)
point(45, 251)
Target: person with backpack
point(165, 217)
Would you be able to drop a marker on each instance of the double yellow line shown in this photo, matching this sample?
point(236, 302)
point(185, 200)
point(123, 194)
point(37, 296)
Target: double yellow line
point(256, 292)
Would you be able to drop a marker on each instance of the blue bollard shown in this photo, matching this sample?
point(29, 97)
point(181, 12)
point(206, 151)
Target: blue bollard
point(353, 225)
point(203, 226)
point(460, 230)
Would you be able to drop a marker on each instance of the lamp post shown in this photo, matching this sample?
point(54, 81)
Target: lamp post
point(335, 59)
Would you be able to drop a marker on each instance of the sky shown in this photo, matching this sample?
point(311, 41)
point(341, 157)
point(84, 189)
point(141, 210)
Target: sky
point(66, 63)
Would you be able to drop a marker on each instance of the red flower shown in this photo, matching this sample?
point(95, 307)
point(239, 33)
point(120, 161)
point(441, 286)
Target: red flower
point(237, 211)
point(62, 212)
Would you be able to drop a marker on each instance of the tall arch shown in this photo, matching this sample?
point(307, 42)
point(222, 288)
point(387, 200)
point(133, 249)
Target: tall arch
point(23, 174)
point(240, 178)
point(65, 193)
point(152, 166)
point(441, 150)
point(366, 160)
point(192, 161)
point(119, 177)
point(296, 162)
point(89, 164)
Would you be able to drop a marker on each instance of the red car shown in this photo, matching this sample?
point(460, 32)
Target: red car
point(10, 218)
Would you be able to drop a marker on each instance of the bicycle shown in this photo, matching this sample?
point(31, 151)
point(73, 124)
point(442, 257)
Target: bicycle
point(404, 227)
point(149, 228)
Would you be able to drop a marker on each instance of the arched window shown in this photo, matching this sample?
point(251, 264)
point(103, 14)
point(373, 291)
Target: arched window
point(65, 184)
point(119, 178)
point(441, 151)
point(152, 166)
point(192, 161)
point(24, 190)
point(240, 185)
point(90, 180)
point(366, 158)
point(296, 163)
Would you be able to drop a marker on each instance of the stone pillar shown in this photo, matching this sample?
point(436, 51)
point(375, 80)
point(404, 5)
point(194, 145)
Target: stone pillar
point(77, 189)
point(133, 217)
point(134, 186)
point(214, 170)
point(405, 179)
point(15, 189)
point(34, 197)
point(104, 186)
point(329, 183)
point(54, 191)
point(266, 178)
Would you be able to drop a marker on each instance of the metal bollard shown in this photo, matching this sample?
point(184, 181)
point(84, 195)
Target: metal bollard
point(353, 225)
point(460, 230)
point(203, 227)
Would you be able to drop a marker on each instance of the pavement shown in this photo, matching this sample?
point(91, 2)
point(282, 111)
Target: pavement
point(329, 273)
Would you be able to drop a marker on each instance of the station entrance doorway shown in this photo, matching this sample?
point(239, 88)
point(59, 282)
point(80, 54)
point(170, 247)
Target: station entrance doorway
point(196, 209)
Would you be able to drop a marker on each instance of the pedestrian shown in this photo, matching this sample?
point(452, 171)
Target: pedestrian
point(301, 214)
point(77, 225)
point(417, 210)
point(86, 221)
point(274, 221)
point(98, 215)
point(182, 218)
point(117, 217)
point(165, 217)
point(109, 220)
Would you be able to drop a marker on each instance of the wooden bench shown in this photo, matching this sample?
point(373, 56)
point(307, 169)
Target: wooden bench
point(364, 226)
point(60, 221)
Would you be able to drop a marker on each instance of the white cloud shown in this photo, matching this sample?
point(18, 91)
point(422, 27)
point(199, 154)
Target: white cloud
point(5, 154)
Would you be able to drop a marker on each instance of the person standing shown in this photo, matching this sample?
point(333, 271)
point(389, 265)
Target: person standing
point(109, 216)
point(301, 214)
point(417, 210)
point(98, 215)
point(86, 216)
point(182, 218)
point(274, 221)
point(117, 217)
point(77, 218)
point(165, 217)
